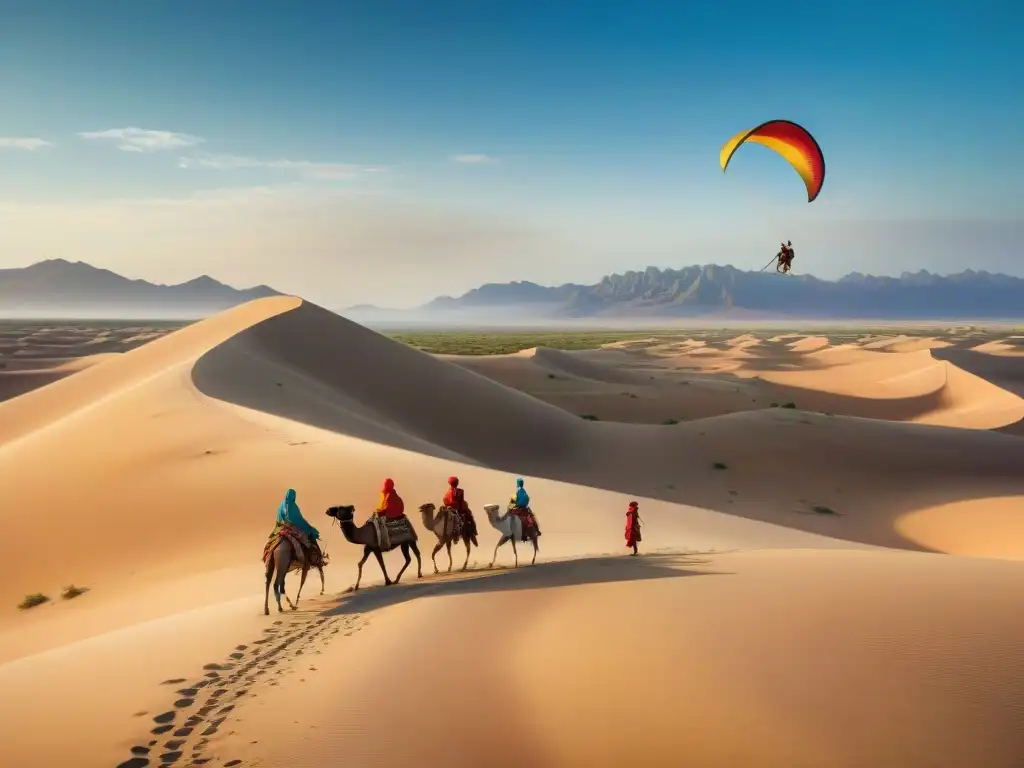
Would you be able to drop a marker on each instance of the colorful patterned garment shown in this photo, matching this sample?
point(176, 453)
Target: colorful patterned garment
point(525, 514)
point(299, 542)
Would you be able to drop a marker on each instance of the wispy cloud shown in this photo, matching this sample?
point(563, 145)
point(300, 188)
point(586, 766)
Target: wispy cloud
point(25, 143)
point(133, 139)
point(307, 168)
point(475, 159)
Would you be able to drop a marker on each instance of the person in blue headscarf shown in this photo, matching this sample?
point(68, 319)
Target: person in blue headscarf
point(288, 514)
point(521, 497)
point(520, 505)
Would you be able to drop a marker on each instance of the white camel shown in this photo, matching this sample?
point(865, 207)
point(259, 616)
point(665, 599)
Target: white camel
point(510, 526)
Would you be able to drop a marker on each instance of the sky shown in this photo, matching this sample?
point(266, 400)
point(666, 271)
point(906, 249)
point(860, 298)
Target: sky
point(388, 152)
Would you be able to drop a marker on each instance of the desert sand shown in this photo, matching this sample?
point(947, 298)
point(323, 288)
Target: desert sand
point(831, 584)
point(33, 354)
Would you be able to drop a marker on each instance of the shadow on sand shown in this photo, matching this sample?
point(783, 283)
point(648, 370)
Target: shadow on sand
point(562, 573)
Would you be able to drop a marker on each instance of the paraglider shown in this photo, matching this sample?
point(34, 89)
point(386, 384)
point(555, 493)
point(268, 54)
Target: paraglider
point(800, 149)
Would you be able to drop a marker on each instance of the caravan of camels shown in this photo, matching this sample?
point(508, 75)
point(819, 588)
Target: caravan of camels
point(294, 544)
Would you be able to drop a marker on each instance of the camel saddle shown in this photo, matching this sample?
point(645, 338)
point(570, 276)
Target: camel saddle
point(452, 523)
point(393, 533)
point(301, 546)
point(527, 518)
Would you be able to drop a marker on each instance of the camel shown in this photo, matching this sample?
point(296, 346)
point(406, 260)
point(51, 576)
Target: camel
point(282, 561)
point(511, 529)
point(447, 532)
point(366, 535)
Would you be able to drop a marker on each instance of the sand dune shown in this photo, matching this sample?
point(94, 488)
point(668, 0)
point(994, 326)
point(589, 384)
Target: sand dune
point(1012, 346)
point(605, 365)
point(866, 672)
point(152, 478)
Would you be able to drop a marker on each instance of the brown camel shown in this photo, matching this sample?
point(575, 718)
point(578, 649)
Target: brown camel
point(449, 529)
point(366, 536)
point(282, 561)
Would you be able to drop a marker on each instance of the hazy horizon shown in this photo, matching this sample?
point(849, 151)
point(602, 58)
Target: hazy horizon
point(375, 154)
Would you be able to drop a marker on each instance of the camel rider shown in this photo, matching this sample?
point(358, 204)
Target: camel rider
point(390, 506)
point(288, 514)
point(520, 504)
point(290, 524)
point(455, 498)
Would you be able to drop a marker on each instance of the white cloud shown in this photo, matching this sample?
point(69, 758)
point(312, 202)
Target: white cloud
point(307, 168)
point(133, 139)
point(25, 143)
point(475, 159)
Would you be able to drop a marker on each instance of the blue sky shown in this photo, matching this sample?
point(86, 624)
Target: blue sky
point(316, 144)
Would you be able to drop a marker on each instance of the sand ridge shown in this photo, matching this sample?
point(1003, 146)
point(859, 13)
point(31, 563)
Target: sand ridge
point(764, 529)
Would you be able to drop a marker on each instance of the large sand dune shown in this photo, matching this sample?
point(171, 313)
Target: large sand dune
point(152, 478)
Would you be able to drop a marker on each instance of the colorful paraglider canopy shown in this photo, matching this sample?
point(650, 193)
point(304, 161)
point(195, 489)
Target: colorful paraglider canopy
point(792, 142)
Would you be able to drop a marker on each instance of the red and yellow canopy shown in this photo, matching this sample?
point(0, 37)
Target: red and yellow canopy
point(792, 142)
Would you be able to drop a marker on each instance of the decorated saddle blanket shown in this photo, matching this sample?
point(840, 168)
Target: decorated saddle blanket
point(300, 543)
point(394, 532)
point(527, 517)
point(452, 522)
point(468, 525)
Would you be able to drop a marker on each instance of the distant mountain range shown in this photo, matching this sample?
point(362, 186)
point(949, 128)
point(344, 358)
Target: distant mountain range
point(715, 290)
point(62, 288)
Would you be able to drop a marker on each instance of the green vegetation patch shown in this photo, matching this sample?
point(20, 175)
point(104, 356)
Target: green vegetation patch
point(508, 342)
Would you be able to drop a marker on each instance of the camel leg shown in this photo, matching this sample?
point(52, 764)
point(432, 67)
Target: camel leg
point(405, 554)
point(302, 581)
point(266, 594)
point(515, 552)
point(448, 546)
point(434, 554)
point(501, 541)
point(323, 586)
point(380, 561)
point(419, 563)
point(535, 548)
point(284, 594)
point(359, 575)
point(465, 565)
point(281, 563)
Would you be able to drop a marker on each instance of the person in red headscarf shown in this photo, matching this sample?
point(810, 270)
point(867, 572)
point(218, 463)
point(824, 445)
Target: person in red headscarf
point(633, 526)
point(390, 505)
point(455, 498)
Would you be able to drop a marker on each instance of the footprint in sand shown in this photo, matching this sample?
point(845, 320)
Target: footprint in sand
point(182, 703)
point(214, 726)
point(173, 681)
